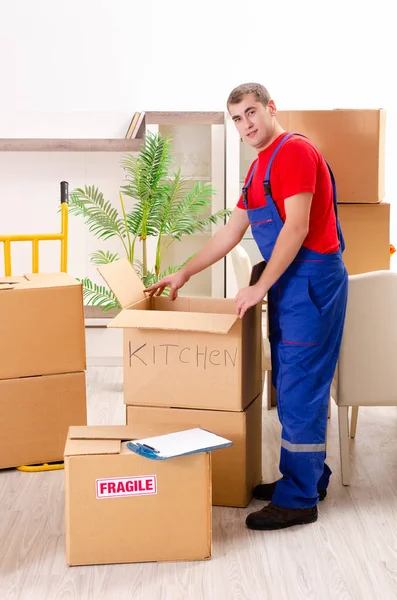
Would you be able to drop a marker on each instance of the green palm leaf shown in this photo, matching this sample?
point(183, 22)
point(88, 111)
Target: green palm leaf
point(98, 295)
point(100, 257)
point(100, 215)
point(183, 216)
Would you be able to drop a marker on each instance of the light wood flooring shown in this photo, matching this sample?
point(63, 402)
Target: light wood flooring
point(350, 553)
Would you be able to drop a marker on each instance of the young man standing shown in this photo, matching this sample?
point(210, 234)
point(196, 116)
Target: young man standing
point(289, 200)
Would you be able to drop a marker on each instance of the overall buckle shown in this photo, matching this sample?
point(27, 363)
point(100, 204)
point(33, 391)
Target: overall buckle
point(245, 196)
point(267, 188)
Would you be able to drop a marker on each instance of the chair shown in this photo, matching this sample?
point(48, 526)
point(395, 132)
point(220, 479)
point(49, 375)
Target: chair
point(366, 374)
point(244, 273)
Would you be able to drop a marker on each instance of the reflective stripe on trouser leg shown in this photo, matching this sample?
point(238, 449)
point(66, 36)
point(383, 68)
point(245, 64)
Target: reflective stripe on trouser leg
point(302, 447)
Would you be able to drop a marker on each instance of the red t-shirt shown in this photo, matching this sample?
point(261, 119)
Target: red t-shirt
point(298, 167)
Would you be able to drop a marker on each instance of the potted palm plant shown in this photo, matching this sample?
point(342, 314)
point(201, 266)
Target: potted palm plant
point(163, 208)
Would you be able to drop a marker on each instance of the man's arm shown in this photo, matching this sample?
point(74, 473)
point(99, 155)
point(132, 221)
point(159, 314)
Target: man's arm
point(216, 248)
point(289, 242)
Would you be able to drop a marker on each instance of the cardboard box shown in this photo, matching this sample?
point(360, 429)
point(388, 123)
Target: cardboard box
point(235, 470)
point(189, 353)
point(41, 326)
point(122, 508)
point(353, 143)
point(366, 229)
point(35, 415)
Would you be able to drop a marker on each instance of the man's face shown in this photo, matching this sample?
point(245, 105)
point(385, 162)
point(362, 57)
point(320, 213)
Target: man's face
point(254, 121)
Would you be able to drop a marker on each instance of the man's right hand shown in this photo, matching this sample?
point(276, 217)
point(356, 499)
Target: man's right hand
point(174, 281)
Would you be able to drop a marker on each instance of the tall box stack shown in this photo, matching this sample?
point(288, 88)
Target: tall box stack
point(353, 143)
point(193, 363)
point(42, 367)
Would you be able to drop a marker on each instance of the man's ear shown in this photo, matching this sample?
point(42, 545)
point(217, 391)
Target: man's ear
point(272, 108)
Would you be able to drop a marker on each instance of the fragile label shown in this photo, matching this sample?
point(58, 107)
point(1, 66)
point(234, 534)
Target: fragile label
point(145, 485)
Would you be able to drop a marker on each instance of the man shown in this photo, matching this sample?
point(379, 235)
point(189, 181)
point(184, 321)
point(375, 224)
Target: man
point(289, 199)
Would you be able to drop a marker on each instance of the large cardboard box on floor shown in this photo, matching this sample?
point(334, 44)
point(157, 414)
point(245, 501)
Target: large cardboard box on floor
point(35, 415)
point(235, 470)
point(366, 229)
point(41, 326)
point(122, 507)
point(353, 143)
point(190, 353)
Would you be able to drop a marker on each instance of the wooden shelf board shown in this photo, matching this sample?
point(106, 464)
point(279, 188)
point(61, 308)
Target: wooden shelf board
point(69, 145)
point(184, 118)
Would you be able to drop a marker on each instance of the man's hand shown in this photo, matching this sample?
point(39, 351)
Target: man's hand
point(174, 281)
point(249, 296)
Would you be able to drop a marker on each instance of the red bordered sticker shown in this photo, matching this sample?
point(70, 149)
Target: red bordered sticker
point(144, 485)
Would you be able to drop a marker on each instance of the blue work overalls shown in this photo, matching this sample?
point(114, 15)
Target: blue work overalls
point(307, 308)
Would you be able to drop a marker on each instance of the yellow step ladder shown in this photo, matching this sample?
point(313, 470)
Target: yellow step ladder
point(7, 240)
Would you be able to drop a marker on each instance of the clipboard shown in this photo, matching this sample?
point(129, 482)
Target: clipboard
point(180, 443)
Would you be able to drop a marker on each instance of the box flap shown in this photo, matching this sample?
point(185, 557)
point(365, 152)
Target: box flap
point(101, 432)
point(38, 280)
point(5, 285)
point(82, 447)
point(173, 320)
point(124, 282)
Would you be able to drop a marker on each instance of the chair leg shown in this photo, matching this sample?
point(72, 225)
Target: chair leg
point(329, 407)
point(353, 421)
point(269, 389)
point(344, 447)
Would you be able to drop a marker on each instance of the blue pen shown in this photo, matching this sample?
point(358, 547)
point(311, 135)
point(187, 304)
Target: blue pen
point(149, 447)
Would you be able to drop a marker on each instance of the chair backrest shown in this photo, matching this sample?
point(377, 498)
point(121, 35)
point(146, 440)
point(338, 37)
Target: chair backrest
point(367, 368)
point(242, 266)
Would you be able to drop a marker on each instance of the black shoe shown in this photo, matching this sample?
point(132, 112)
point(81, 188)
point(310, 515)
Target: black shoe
point(265, 491)
point(276, 517)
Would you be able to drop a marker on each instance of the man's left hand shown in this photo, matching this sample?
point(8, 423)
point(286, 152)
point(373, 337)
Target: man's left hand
point(249, 296)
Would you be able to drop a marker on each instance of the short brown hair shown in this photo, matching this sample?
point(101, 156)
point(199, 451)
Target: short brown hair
point(259, 91)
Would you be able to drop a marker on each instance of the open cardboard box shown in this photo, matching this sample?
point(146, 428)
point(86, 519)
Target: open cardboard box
point(189, 353)
point(41, 325)
point(122, 507)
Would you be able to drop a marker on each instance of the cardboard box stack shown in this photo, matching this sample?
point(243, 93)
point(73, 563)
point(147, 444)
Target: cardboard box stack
point(353, 143)
point(193, 363)
point(42, 364)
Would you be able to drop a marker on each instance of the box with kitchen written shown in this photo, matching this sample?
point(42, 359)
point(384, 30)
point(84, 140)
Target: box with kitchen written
point(353, 143)
point(121, 507)
point(366, 229)
point(35, 415)
point(41, 326)
point(191, 352)
point(235, 470)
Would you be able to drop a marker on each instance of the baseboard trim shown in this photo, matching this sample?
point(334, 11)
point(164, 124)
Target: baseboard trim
point(105, 361)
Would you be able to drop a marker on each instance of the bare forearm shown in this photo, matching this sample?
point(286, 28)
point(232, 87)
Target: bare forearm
point(215, 249)
point(285, 250)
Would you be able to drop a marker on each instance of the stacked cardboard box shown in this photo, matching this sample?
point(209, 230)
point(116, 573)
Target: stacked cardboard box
point(193, 363)
point(42, 364)
point(122, 507)
point(353, 143)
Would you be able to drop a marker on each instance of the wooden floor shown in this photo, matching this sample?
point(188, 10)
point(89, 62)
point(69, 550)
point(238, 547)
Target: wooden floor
point(350, 553)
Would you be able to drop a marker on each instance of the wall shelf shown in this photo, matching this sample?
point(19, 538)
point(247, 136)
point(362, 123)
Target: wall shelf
point(70, 145)
point(184, 118)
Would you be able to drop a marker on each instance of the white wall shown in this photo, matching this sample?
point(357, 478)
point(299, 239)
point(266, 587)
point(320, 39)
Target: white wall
point(81, 67)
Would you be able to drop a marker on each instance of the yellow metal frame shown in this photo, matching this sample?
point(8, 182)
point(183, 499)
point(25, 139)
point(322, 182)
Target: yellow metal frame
point(43, 467)
point(35, 239)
